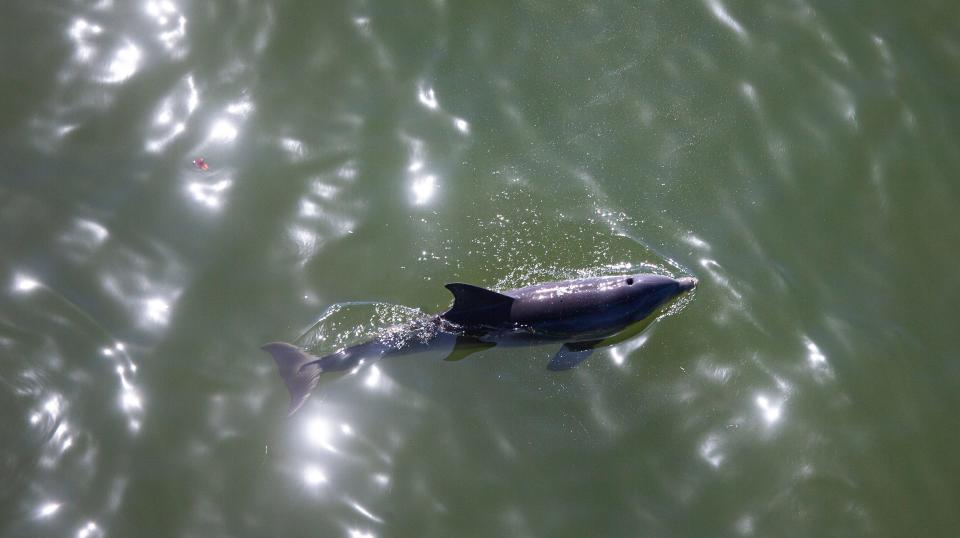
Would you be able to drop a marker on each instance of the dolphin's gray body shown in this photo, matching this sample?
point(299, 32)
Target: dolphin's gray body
point(579, 313)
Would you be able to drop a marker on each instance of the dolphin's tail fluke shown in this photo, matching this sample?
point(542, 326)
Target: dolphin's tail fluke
point(300, 371)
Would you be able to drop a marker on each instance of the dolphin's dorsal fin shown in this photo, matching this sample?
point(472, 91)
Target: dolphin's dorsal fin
point(473, 305)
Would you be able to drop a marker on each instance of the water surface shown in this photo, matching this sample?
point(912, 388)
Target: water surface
point(799, 158)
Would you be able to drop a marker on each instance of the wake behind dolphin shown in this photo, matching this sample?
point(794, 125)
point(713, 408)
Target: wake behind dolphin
point(582, 314)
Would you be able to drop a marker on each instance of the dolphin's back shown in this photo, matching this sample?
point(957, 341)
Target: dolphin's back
point(566, 299)
point(588, 307)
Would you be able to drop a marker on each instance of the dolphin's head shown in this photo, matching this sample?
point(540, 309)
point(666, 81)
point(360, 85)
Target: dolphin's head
point(645, 293)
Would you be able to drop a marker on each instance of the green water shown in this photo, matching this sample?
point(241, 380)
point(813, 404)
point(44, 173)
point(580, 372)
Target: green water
point(800, 159)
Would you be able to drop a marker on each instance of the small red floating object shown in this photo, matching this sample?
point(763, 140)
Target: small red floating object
point(200, 163)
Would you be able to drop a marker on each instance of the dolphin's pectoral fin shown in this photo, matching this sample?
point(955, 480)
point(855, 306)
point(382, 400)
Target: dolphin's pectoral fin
point(466, 346)
point(473, 305)
point(570, 355)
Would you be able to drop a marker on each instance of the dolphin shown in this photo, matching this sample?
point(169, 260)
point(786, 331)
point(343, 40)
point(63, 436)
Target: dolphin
point(582, 314)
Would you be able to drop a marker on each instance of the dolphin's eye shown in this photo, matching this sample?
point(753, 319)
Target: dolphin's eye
point(630, 281)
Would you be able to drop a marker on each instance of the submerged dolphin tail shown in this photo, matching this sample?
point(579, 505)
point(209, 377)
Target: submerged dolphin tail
point(300, 371)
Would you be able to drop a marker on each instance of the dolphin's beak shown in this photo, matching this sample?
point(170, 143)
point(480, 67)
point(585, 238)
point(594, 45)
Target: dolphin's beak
point(687, 283)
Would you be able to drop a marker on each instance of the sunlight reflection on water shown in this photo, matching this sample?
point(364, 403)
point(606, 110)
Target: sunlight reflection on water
point(24, 284)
